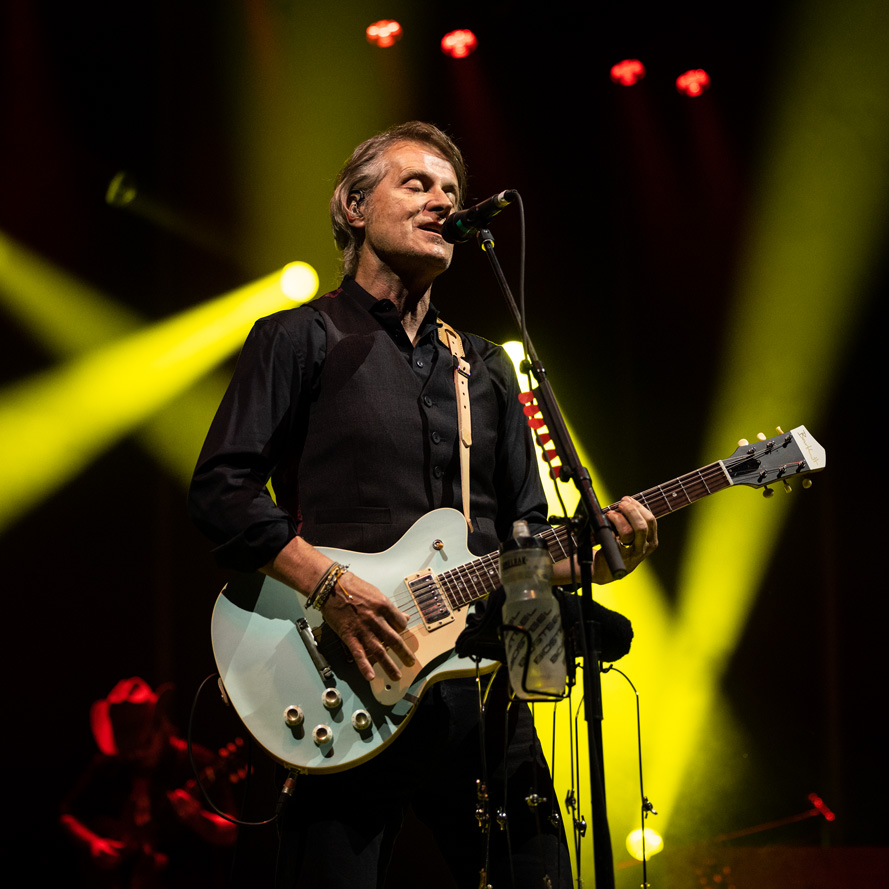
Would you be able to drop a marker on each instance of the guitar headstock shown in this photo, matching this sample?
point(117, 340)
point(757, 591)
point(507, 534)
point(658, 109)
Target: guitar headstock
point(781, 458)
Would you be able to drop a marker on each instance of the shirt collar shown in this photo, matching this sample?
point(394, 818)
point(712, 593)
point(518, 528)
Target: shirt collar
point(380, 308)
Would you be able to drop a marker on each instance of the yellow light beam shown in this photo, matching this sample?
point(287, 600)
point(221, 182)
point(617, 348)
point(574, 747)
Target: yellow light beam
point(64, 314)
point(59, 421)
point(69, 317)
point(46, 298)
point(641, 598)
point(821, 223)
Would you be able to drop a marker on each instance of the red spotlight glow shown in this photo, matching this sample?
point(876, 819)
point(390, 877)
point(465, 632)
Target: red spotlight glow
point(383, 33)
point(459, 44)
point(818, 803)
point(693, 83)
point(628, 72)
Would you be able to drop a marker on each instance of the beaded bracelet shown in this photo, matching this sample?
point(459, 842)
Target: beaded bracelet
point(326, 585)
point(321, 581)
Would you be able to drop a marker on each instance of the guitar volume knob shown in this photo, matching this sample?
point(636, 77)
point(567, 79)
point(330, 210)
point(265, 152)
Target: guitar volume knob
point(293, 716)
point(322, 735)
point(361, 720)
point(331, 698)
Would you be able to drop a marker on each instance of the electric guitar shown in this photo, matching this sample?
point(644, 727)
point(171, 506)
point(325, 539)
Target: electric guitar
point(291, 680)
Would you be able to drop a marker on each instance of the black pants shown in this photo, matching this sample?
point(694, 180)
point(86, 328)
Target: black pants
point(339, 829)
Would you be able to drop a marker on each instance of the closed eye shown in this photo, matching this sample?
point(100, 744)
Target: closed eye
point(416, 182)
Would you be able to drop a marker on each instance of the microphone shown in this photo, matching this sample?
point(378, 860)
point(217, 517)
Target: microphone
point(463, 224)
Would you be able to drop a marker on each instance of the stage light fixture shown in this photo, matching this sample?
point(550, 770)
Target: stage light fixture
point(459, 44)
point(122, 190)
point(628, 72)
point(693, 82)
point(647, 839)
point(299, 281)
point(384, 33)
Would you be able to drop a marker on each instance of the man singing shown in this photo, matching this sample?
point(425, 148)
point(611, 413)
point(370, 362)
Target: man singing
point(349, 405)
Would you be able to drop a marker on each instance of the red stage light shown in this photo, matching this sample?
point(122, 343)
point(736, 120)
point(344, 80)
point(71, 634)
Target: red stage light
point(693, 83)
point(383, 33)
point(818, 803)
point(628, 72)
point(459, 44)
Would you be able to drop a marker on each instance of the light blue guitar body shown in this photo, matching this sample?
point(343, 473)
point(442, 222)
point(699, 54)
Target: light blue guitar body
point(266, 664)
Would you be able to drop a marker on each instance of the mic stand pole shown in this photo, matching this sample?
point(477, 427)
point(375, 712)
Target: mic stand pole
point(595, 530)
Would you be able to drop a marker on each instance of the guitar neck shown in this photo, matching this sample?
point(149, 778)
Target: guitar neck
point(476, 579)
point(673, 495)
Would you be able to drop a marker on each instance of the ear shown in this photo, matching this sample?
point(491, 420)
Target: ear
point(352, 206)
point(354, 214)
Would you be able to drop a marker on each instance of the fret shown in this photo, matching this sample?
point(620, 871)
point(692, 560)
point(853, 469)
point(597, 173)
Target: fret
point(666, 498)
point(460, 596)
point(472, 577)
point(492, 572)
point(465, 596)
point(704, 481)
point(684, 491)
point(555, 538)
point(444, 581)
point(674, 492)
point(559, 538)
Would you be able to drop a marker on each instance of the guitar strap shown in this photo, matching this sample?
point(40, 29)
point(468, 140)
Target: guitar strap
point(452, 341)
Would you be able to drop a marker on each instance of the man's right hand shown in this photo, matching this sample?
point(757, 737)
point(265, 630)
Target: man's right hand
point(367, 621)
point(369, 625)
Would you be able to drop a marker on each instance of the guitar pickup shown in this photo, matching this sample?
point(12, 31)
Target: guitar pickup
point(429, 599)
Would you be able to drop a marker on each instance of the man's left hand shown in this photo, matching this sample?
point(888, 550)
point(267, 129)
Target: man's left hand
point(636, 530)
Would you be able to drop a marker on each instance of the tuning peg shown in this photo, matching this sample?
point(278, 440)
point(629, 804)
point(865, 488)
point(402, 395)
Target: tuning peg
point(779, 430)
point(807, 483)
point(761, 436)
point(787, 488)
point(767, 492)
point(742, 442)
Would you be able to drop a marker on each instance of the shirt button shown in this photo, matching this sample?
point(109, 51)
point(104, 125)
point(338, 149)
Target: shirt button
point(436, 471)
point(436, 437)
point(419, 364)
point(427, 401)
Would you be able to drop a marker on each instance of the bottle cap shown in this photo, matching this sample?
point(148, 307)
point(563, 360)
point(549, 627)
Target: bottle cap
point(521, 538)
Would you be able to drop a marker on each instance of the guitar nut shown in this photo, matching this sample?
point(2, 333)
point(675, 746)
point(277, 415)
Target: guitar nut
point(293, 716)
point(331, 698)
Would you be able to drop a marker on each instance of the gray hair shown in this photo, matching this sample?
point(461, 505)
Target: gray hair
point(365, 169)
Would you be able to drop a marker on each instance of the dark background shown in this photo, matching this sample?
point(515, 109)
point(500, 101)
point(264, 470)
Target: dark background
point(108, 579)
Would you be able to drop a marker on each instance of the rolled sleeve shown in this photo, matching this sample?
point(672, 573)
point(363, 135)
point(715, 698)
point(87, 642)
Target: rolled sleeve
point(252, 432)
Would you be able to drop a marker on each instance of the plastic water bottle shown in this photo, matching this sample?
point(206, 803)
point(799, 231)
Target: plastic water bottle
point(535, 650)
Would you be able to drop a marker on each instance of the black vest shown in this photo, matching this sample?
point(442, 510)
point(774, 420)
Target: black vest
point(375, 448)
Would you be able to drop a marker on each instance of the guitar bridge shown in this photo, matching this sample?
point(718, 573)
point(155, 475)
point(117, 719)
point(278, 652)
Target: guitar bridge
point(429, 599)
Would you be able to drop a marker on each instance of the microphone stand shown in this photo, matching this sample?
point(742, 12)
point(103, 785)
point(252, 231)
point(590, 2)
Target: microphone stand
point(593, 529)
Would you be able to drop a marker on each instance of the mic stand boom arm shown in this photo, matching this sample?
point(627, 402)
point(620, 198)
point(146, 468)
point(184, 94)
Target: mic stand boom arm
point(595, 528)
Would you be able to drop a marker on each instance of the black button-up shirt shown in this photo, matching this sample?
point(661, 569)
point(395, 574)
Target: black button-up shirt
point(357, 428)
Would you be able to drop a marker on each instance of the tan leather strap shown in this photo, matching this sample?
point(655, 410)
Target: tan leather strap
point(452, 340)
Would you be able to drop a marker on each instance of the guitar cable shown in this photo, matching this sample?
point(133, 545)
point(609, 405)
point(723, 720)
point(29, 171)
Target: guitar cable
point(646, 807)
point(482, 809)
point(197, 776)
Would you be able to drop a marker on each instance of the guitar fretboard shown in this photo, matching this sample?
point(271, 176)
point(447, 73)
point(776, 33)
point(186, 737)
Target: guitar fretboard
point(476, 579)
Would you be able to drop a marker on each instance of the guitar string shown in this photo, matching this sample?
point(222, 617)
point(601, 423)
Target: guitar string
point(468, 583)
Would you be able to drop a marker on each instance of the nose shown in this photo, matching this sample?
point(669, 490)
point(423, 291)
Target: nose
point(439, 201)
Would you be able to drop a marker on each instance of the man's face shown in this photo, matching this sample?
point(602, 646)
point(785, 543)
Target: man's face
point(404, 213)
